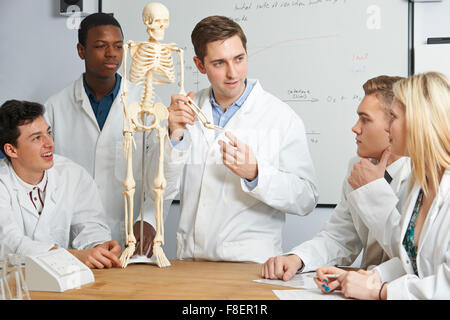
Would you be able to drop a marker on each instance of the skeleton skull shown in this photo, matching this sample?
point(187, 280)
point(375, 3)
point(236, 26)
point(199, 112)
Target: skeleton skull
point(156, 18)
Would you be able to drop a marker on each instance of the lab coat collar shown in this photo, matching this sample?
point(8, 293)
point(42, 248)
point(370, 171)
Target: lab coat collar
point(54, 180)
point(26, 187)
point(82, 98)
point(444, 188)
point(116, 108)
point(395, 166)
point(442, 194)
point(24, 198)
point(399, 170)
point(51, 196)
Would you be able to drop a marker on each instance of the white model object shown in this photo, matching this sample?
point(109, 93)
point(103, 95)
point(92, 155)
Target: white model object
point(56, 271)
point(152, 64)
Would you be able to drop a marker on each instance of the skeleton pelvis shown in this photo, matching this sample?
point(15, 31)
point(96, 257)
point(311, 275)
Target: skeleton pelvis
point(160, 111)
point(155, 112)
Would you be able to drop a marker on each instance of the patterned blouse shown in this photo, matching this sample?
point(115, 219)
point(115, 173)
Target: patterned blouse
point(408, 240)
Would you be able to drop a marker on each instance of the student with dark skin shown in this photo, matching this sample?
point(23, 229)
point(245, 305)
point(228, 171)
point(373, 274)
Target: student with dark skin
point(87, 117)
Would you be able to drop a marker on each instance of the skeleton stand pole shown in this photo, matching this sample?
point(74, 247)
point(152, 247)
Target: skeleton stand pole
point(141, 227)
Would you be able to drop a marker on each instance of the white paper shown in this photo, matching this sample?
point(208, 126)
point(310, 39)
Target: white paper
point(309, 294)
point(299, 280)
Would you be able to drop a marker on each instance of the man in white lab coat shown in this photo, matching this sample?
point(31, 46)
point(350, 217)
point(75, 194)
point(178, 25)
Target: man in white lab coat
point(87, 117)
point(234, 195)
point(344, 235)
point(47, 201)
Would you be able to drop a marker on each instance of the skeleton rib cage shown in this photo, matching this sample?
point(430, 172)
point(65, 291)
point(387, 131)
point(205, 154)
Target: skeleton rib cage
point(155, 59)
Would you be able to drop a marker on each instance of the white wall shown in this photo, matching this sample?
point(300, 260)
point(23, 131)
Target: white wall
point(38, 58)
point(38, 51)
point(431, 20)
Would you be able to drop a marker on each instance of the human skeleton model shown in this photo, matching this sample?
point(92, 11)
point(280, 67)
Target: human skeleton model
point(152, 64)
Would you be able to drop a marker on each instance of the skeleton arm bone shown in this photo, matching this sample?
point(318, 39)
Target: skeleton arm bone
point(191, 104)
point(127, 46)
point(202, 117)
point(124, 97)
point(181, 55)
point(180, 52)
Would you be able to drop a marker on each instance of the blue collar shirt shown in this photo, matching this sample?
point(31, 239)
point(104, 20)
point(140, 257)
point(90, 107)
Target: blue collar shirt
point(221, 117)
point(101, 107)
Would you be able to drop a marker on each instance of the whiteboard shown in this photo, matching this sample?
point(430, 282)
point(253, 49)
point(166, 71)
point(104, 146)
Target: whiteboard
point(313, 54)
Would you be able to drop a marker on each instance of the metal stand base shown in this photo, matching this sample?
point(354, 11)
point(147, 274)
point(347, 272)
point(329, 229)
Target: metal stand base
point(142, 259)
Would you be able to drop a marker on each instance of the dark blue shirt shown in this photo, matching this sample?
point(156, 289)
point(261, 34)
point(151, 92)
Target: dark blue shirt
point(101, 107)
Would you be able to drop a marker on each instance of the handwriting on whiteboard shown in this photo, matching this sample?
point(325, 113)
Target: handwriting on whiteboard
point(306, 95)
point(313, 136)
point(244, 7)
point(274, 4)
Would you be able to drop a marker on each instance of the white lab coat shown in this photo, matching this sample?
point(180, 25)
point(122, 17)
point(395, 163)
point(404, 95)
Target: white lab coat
point(78, 137)
point(344, 235)
point(221, 219)
point(389, 226)
point(72, 217)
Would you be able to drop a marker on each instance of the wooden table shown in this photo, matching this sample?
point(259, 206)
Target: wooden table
point(184, 280)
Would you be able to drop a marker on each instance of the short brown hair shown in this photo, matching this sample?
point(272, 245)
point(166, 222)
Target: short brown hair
point(214, 28)
point(381, 86)
point(13, 114)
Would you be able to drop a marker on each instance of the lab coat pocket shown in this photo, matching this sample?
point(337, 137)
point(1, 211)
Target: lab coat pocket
point(251, 250)
point(120, 162)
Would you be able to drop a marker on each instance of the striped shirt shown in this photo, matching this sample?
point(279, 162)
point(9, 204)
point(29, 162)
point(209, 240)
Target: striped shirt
point(36, 193)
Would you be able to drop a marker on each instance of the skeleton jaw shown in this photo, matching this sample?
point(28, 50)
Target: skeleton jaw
point(155, 34)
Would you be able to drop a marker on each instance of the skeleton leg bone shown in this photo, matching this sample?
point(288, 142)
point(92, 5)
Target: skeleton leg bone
point(159, 184)
point(129, 185)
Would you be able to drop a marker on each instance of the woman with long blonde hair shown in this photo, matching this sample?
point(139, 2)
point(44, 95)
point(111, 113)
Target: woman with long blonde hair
point(419, 235)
